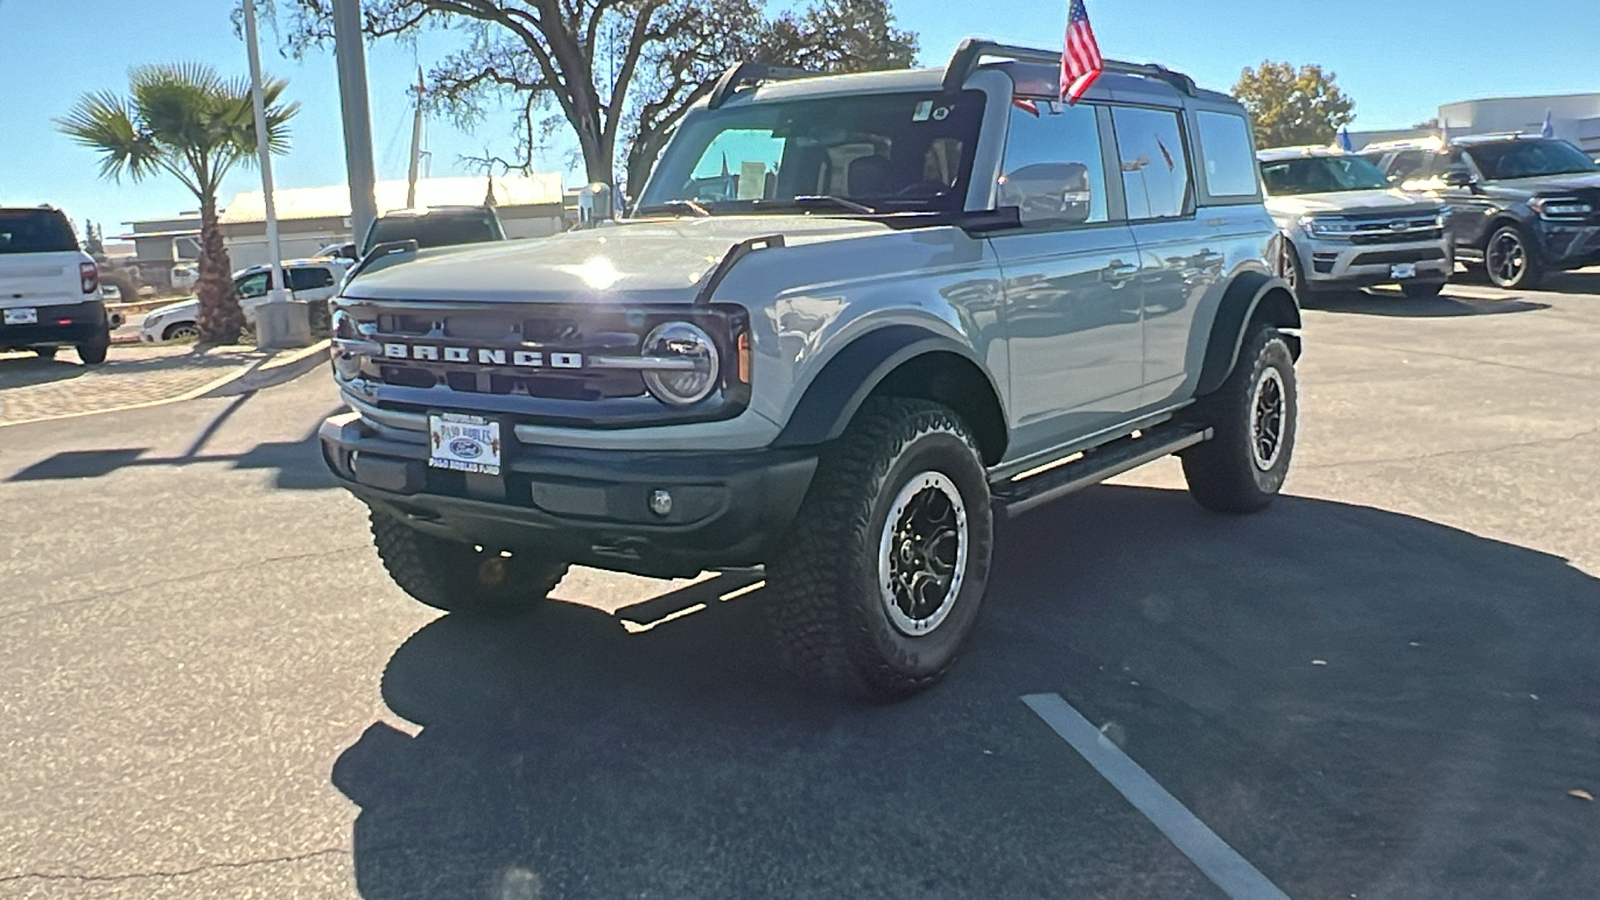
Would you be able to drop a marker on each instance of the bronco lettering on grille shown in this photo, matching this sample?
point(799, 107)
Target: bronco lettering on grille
point(483, 356)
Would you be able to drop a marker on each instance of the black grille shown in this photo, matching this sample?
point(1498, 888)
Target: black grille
point(1402, 237)
point(1390, 257)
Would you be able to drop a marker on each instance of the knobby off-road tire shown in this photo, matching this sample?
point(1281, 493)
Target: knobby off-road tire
point(1254, 415)
point(878, 584)
point(459, 577)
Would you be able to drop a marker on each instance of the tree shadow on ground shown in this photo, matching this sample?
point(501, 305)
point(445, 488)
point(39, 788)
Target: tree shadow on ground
point(1395, 304)
point(561, 755)
point(298, 463)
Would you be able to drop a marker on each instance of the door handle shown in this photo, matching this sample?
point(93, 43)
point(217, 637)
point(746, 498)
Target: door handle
point(1118, 273)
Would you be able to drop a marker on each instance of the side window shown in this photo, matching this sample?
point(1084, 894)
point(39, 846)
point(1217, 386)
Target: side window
point(1225, 145)
point(310, 279)
point(1409, 165)
point(1054, 172)
point(1155, 167)
point(254, 285)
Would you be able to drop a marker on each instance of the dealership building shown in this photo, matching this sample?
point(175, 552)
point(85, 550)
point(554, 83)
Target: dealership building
point(1575, 117)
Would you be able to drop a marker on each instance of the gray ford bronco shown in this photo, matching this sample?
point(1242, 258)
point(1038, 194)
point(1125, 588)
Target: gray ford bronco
point(849, 321)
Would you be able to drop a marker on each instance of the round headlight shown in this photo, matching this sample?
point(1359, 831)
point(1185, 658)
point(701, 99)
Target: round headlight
point(696, 375)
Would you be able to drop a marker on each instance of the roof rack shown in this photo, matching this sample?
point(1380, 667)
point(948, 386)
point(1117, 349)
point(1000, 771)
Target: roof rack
point(745, 73)
point(972, 51)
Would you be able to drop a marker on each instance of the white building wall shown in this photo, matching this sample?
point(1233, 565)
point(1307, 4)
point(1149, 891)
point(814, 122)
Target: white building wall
point(1574, 117)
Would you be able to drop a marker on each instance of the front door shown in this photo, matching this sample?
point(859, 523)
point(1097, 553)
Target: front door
point(1072, 291)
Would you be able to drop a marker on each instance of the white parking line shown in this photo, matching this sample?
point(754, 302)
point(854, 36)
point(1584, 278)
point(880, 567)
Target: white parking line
point(1220, 862)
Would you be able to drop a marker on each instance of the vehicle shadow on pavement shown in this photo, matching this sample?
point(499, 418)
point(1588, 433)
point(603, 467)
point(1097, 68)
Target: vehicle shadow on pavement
point(1581, 282)
point(1397, 305)
point(26, 371)
point(298, 463)
point(1346, 695)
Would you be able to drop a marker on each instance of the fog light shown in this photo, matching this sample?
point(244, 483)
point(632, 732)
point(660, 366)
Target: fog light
point(661, 502)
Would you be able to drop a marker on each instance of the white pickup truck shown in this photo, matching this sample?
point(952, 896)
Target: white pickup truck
point(49, 288)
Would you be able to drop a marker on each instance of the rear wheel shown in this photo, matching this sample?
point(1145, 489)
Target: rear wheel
point(459, 577)
point(94, 352)
point(1253, 415)
point(878, 584)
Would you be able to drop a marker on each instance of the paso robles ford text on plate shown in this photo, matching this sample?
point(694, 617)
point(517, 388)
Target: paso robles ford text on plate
point(464, 443)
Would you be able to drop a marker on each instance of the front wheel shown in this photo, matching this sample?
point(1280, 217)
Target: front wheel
point(1253, 415)
point(1511, 259)
point(459, 577)
point(878, 584)
point(1421, 290)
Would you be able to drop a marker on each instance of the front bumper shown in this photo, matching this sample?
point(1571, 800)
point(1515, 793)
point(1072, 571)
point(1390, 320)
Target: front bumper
point(1569, 246)
point(584, 506)
point(1333, 263)
point(67, 324)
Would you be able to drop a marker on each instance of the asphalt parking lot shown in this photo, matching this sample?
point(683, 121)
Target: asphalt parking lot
point(1387, 686)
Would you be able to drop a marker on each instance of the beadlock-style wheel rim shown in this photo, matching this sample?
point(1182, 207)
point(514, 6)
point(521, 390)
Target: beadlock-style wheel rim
point(1507, 257)
point(922, 555)
point(1267, 411)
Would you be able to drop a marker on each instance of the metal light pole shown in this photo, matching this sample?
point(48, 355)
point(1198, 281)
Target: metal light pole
point(352, 61)
point(264, 153)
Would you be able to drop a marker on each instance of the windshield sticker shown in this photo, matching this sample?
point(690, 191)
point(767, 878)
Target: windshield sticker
point(752, 180)
point(923, 111)
point(942, 113)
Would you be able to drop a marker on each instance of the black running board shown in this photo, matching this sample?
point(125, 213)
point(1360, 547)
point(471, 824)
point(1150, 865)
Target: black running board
point(1105, 461)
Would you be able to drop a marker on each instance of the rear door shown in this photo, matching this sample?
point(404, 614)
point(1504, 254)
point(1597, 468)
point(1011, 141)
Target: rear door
point(1070, 275)
point(40, 263)
point(312, 282)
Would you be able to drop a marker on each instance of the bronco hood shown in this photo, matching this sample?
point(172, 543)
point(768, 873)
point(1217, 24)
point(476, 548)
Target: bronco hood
point(659, 260)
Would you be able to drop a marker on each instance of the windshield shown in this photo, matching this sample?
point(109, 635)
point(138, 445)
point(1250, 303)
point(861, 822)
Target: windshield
point(1321, 175)
point(434, 230)
point(35, 231)
point(1530, 159)
point(885, 152)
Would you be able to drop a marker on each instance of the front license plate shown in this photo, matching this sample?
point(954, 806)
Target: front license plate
point(464, 443)
point(25, 315)
point(1403, 270)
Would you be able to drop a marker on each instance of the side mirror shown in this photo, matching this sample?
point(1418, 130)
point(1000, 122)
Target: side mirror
point(1459, 178)
point(595, 205)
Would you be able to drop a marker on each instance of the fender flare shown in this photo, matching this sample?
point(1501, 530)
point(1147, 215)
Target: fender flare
point(1239, 306)
point(832, 398)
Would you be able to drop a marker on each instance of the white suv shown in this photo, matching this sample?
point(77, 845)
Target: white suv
point(311, 280)
point(49, 288)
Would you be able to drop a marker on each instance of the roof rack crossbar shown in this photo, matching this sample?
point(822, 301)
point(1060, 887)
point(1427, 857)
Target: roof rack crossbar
point(746, 73)
point(971, 52)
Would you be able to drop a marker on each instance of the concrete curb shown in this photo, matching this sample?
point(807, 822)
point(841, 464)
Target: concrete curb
point(274, 370)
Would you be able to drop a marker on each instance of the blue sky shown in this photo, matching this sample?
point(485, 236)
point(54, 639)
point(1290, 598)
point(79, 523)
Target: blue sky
point(1399, 59)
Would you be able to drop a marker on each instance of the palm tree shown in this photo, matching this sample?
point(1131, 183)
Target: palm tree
point(186, 120)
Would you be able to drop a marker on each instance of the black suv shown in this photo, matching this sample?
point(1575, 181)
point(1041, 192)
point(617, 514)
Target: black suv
point(1521, 206)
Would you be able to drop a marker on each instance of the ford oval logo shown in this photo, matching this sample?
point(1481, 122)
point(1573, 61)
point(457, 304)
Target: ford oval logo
point(466, 448)
point(1400, 226)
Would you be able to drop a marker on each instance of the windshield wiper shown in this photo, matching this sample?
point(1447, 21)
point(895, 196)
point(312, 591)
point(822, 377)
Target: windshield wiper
point(842, 203)
point(680, 205)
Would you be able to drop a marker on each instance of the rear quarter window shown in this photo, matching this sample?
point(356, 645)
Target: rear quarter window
point(36, 231)
point(1230, 166)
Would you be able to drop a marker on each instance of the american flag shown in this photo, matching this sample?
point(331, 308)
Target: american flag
point(1081, 63)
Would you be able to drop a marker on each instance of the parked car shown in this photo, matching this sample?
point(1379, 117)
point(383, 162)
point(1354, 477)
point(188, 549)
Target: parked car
point(49, 288)
point(438, 226)
point(843, 366)
point(311, 280)
point(1522, 206)
point(1345, 226)
point(346, 250)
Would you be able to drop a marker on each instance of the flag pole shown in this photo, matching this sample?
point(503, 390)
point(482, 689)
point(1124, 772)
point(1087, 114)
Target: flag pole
point(264, 154)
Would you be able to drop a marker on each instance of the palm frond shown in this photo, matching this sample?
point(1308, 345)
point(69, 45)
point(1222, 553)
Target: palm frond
point(104, 123)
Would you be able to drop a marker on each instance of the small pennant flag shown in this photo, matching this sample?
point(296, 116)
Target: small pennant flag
point(1081, 63)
